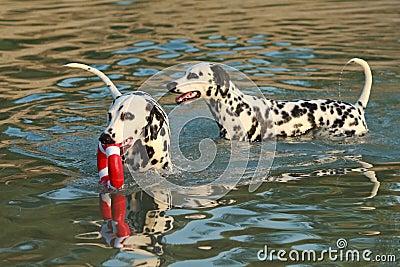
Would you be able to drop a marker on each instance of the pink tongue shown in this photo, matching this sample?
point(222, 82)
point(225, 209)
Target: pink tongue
point(187, 95)
point(127, 142)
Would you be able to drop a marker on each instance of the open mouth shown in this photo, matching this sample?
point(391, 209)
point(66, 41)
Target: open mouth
point(187, 97)
point(126, 144)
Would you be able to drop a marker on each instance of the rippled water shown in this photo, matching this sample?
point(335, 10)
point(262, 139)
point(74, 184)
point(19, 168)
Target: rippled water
point(51, 117)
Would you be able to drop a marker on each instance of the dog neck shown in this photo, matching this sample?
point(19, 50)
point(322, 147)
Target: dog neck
point(227, 107)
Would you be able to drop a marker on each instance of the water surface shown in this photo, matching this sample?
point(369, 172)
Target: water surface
point(51, 117)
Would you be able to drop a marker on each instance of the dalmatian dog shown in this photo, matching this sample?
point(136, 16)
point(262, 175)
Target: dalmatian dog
point(138, 125)
point(253, 118)
point(137, 135)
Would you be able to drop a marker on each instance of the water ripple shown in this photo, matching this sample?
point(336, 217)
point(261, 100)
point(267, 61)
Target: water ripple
point(318, 191)
point(37, 97)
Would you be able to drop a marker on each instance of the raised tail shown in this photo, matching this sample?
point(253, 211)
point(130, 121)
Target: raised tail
point(363, 100)
point(114, 91)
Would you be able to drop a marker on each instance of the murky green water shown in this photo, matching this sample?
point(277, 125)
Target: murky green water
point(51, 117)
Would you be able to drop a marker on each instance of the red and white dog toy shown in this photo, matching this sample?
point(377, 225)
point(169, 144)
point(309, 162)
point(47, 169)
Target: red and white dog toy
point(109, 165)
point(112, 206)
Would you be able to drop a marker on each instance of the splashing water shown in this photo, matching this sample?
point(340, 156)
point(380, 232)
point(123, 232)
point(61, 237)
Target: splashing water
point(340, 83)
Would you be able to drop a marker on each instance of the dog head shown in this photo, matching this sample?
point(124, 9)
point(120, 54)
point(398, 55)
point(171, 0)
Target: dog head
point(131, 117)
point(203, 80)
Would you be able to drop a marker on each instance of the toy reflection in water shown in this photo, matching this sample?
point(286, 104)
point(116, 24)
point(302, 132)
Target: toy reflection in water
point(136, 222)
point(114, 229)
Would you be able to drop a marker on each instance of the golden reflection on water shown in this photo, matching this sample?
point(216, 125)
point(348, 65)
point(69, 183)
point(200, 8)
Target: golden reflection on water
point(39, 36)
point(50, 117)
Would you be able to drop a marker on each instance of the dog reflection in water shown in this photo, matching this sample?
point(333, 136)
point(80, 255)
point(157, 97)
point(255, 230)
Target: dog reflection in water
point(136, 222)
point(138, 136)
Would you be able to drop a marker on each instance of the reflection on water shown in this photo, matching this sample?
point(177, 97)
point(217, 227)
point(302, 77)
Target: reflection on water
point(318, 191)
point(136, 225)
point(366, 169)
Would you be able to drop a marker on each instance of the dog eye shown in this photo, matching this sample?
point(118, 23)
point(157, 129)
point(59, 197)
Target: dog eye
point(127, 116)
point(109, 116)
point(192, 75)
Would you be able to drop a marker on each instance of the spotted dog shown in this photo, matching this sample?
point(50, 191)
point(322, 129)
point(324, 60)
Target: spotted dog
point(253, 118)
point(139, 124)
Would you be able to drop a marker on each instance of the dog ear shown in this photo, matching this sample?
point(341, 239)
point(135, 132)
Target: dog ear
point(221, 79)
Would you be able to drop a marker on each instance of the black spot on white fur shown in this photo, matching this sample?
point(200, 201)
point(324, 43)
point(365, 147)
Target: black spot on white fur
point(288, 118)
point(142, 145)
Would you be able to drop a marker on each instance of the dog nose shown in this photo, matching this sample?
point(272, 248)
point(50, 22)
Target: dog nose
point(171, 86)
point(106, 139)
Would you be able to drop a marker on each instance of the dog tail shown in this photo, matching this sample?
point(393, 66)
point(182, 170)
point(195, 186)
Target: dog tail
point(363, 100)
point(114, 91)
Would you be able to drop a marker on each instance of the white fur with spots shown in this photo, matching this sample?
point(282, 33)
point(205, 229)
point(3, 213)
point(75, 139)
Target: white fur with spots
point(254, 118)
point(138, 124)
